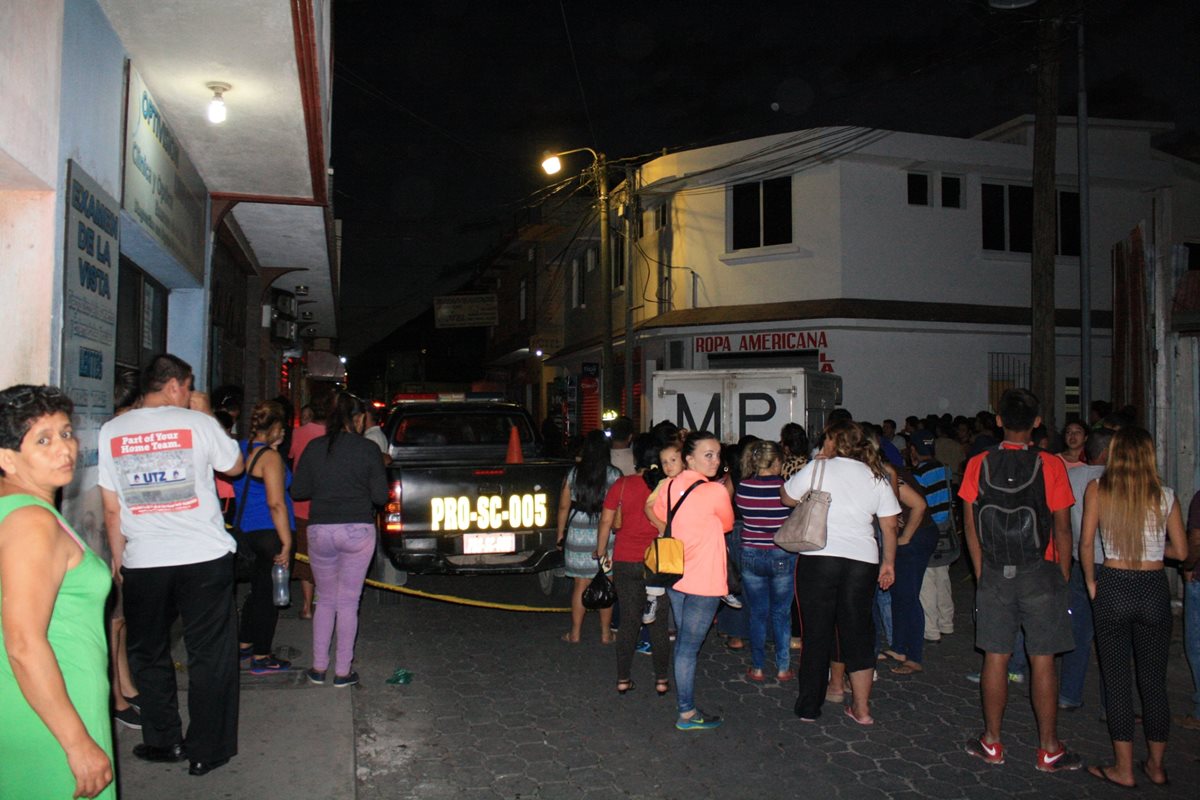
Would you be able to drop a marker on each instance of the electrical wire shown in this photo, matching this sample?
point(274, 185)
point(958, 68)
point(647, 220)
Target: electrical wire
point(578, 79)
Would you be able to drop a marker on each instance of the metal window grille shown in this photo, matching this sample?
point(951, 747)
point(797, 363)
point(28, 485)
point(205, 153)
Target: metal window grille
point(1006, 371)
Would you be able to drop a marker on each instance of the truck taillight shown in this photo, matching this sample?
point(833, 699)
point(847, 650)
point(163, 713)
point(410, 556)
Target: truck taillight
point(393, 520)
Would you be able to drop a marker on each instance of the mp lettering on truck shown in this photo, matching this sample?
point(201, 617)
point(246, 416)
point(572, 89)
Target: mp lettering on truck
point(752, 407)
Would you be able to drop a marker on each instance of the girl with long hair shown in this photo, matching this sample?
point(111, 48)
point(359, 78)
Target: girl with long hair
point(579, 505)
point(342, 474)
point(1139, 524)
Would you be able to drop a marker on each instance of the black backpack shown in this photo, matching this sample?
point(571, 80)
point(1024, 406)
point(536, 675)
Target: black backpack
point(1011, 516)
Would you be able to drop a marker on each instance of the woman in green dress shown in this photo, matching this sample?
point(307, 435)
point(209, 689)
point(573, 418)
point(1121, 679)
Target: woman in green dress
point(56, 737)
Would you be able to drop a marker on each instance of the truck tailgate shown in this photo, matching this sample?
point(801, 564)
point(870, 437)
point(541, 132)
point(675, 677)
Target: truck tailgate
point(464, 516)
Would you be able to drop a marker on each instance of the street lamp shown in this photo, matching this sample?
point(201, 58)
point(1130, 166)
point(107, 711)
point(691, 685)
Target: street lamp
point(552, 165)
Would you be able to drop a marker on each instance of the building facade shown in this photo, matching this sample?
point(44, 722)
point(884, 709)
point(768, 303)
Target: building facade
point(899, 261)
point(131, 224)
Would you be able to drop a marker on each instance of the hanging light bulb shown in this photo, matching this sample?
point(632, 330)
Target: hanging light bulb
point(216, 106)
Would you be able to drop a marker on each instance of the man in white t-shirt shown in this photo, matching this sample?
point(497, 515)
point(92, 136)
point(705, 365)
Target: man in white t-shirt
point(174, 559)
point(372, 432)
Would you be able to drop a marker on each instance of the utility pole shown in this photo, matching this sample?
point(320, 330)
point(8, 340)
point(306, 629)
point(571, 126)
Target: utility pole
point(608, 378)
point(1085, 235)
point(630, 210)
point(1045, 212)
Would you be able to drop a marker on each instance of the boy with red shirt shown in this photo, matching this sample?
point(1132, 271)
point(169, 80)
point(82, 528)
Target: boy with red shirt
point(1016, 501)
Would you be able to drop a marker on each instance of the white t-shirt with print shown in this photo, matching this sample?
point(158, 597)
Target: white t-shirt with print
point(160, 462)
point(857, 496)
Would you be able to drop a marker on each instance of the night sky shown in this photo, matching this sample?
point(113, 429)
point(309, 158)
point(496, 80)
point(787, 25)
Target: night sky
point(443, 109)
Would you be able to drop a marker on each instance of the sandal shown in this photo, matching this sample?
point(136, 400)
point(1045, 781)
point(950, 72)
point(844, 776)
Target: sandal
point(625, 686)
point(1101, 773)
point(756, 675)
point(662, 686)
point(867, 720)
point(566, 637)
point(894, 656)
point(735, 648)
point(907, 668)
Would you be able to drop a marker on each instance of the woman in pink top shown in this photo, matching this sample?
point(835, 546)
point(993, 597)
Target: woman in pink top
point(699, 520)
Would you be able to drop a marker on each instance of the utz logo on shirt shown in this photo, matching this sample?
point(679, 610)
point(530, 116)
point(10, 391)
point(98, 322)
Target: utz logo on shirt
point(156, 469)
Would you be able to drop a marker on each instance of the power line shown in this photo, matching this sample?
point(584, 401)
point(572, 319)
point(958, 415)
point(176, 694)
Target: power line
point(578, 80)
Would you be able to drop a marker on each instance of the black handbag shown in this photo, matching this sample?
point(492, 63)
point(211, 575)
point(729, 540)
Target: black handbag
point(245, 556)
point(600, 593)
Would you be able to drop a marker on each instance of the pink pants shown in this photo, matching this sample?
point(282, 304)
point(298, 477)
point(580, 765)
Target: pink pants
point(340, 556)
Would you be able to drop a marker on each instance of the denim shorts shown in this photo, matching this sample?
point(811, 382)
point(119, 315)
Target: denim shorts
point(1034, 598)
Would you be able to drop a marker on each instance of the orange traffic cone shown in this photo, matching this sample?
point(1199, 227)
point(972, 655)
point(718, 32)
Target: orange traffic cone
point(514, 456)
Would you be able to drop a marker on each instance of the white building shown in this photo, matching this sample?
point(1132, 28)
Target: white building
point(900, 261)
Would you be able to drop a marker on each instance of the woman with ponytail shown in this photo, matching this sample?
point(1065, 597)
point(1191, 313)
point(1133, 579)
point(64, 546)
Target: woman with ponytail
point(342, 474)
point(266, 522)
point(768, 571)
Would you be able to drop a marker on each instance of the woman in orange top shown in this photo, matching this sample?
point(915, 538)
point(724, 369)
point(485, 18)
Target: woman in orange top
point(700, 520)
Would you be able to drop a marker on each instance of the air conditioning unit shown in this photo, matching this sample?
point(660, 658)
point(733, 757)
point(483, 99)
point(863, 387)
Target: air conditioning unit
point(283, 331)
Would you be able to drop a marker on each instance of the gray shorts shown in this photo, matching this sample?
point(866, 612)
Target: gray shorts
point(1034, 598)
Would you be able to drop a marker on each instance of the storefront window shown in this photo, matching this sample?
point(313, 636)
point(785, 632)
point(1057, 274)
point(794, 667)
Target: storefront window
point(141, 317)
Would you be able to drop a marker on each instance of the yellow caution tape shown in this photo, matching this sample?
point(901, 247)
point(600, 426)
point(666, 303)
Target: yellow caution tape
point(446, 598)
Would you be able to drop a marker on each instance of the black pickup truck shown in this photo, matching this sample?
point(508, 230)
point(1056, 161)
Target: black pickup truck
point(456, 506)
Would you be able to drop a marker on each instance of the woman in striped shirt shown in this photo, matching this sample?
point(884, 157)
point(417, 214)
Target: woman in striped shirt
point(768, 572)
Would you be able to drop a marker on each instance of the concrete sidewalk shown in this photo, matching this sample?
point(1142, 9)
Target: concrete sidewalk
point(294, 739)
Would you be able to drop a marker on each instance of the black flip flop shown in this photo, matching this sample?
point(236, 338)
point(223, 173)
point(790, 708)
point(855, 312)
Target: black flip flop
point(1099, 773)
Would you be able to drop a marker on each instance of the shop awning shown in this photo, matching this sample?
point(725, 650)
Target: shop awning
point(267, 165)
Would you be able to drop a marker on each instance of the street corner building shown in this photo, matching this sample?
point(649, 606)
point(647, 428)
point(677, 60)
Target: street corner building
point(900, 262)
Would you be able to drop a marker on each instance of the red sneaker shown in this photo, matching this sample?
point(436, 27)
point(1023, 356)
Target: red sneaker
point(990, 753)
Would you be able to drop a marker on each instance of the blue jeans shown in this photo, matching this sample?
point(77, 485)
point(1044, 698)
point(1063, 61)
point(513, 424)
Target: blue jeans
point(908, 618)
point(1191, 635)
point(768, 581)
point(1075, 662)
point(881, 615)
point(693, 617)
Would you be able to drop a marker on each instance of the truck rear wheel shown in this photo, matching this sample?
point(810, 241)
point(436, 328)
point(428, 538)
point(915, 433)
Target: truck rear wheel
point(552, 581)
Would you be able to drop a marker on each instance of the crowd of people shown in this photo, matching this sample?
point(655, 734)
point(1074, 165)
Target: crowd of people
point(1068, 545)
point(1088, 534)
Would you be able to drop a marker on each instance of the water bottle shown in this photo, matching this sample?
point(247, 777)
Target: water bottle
point(281, 585)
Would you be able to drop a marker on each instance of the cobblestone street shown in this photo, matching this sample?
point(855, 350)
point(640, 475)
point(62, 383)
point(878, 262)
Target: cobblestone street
point(500, 708)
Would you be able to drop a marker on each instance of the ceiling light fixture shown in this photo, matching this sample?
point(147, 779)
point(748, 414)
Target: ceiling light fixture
point(216, 106)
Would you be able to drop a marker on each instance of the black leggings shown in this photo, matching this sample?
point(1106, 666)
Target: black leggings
point(259, 614)
point(833, 592)
point(1132, 614)
point(630, 580)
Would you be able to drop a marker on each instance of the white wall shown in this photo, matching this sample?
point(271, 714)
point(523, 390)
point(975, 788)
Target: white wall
point(897, 369)
point(31, 41)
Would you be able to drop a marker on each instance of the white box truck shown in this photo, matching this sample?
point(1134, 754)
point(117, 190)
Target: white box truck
point(732, 403)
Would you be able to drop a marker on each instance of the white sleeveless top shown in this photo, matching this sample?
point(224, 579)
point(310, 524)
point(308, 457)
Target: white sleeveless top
point(1155, 534)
